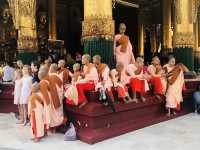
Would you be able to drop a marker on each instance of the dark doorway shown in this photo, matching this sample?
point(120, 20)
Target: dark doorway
point(129, 16)
point(69, 24)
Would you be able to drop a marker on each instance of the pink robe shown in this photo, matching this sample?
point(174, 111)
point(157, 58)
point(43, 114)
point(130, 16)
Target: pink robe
point(157, 80)
point(120, 84)
point(125, 58)
point(137, 82)
point(174, 92)
point(36, 116)
point(88, 83)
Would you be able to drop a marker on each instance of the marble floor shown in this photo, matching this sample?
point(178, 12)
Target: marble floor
point(178, 134)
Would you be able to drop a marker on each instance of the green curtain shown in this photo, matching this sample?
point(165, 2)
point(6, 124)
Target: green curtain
point(102, 47)
point(27, 57)
point(185, 56)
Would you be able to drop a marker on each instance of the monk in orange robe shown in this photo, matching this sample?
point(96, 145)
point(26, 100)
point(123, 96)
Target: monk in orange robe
point(63, 72)
point(120, 81)
point(45, 92)
point(175, 80)
point(138, 80)
point(88, 81)
point(35, 112)
point(71, 92)
point(56, 91)
point(105, 83)
point(157, 77)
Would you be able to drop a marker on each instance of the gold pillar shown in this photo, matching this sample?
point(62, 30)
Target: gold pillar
point(183, 35)
point(167, 36)
point(140, 34)
point(153, 39)
point(196, 36)
point(52, 19)
point(98, 21)
point(27, 35)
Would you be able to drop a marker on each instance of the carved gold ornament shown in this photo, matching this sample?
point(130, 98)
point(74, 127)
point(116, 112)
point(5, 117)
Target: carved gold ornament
point(183, 40)
point(27, 44)
point(98, 27)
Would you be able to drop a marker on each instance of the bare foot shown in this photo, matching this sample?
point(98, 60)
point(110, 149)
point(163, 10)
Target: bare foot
point(174, 113)
point(158, 97)
point(36, 140)
point(143, 99)
point(126, 101)
point(20, 122)
point(168, 115)
point(83, 104)
point(135, 100)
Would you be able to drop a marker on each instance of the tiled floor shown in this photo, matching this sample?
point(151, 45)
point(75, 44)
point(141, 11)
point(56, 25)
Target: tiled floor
point(179, 134)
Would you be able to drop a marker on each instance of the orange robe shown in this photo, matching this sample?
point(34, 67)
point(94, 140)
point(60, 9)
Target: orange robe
point(56, 103)
point(64, 75)
point(120, 82)
point(36, 113)
point(46, 97)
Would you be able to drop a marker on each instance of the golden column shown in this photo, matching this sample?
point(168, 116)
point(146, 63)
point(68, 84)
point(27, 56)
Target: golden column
point(167, 33)
point(196, 43)
point(24, 17)
point(52, 19)
point(141, 34)
point(98, 29)
point(183, 36)
point(153, 39)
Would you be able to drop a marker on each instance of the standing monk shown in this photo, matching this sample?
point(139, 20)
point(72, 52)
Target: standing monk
point(63, 72)
point(35, 113)
point(45, 92)
point(123, 50)
point(88, 81)
point(157, 77)
point(138, 80)
point(56, 91)
point(175, 80)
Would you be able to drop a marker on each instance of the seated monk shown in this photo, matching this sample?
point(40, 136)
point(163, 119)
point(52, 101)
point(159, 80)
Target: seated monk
point(63, 72)
point(35, 113)
point(56, 91)
point(71, 92)
point(104, 86)
point(157, 77)
point(120, 80)
point(88, 81)
point(45, 94)
point(138, 80)
point(175, 83)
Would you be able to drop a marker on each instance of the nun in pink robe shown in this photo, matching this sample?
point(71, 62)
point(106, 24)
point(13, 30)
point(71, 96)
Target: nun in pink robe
point(123, 50)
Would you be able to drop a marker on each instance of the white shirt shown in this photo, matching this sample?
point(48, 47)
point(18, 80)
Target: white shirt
point(8, 73)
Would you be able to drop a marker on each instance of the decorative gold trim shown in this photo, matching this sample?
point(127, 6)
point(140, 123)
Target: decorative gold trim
point(27, 44)
point(98, 27)
point(183, 40)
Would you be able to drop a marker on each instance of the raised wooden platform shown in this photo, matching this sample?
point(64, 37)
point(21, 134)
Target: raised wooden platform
point(96, 122)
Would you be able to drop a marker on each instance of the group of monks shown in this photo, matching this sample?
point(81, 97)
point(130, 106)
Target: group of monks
point(57, 82)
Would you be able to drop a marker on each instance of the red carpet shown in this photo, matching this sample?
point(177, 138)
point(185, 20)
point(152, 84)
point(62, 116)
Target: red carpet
point(96, 122)
point(6, 99)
